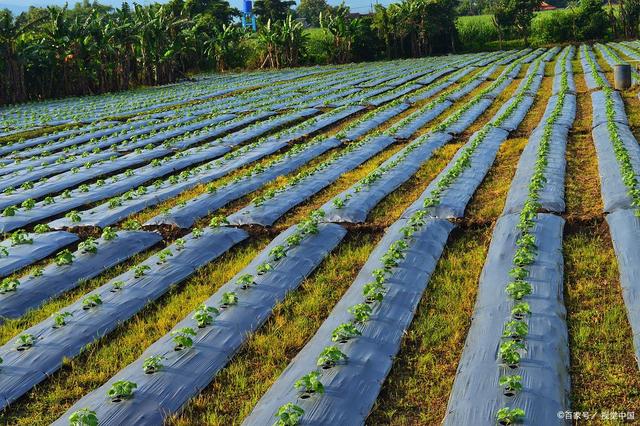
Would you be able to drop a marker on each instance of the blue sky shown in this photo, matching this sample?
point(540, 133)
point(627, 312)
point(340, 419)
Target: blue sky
point(20, 5)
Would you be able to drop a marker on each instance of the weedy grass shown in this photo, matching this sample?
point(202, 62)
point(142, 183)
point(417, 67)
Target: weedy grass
point(103, 359)
point(235, 391)
point(604, 373)
point(582, 184)
point(417, 388)
point(488, 201)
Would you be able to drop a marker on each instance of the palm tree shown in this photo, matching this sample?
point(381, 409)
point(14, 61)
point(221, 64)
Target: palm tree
point(383, 26)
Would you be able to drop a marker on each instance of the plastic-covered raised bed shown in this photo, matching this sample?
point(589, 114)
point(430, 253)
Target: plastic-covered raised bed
point(107, 214)
point(614, 192)
point(100, 311)
point(354, 204)
point(455, 197)
point(477, 394)
point(185, 372)
point(351, 386)
point(374, 121)
point(273, 208)
point(624, 227)
point(31, 248)
point(185, 216)
point(55, 279)
point(551, 196)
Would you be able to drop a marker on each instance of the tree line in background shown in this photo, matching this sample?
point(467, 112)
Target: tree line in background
point(91, 48)
point(515, 23)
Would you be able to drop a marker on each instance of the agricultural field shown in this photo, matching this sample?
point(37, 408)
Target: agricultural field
point(450, 239)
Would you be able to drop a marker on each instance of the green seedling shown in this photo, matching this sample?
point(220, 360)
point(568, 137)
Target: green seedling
point(60, 319)
point(109, 234)
point(65, 257)
point(153, 364)
point(344, 332)
point(509, 416)
point(361, 312)
point(183, 338)
point(289, 415)
point(140, 270)
point(83, 417)
point(310, 383)
point(25, 341)
point(330, 356)
point(9, 285)
point(204, 315)
point(511, 384)
point(229, 298)
point(122, 389)
point(509, 354)
point(245, 281)
point(88, 246)
point(91, 301)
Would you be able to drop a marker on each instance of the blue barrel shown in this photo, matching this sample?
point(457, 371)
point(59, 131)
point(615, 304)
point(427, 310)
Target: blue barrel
point(248, 6)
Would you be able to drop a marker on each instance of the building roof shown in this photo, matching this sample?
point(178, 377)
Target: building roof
point(546, 6)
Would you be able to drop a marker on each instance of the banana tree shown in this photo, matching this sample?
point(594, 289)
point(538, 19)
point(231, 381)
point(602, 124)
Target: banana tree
point(293, 39)
point(222, 45)
point(344, 31)
point(269, 40)
point(12, 87)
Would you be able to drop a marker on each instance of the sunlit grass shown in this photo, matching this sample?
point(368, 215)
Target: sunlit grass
point(104, 358)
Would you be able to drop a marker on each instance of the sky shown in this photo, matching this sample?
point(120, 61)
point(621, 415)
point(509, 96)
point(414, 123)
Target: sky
point(22, 5)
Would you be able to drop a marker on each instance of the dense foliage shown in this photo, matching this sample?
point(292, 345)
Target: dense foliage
point(274, 10)
point(514, 15)
point(416, 27)
point(90, 49)
point(310, 11)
